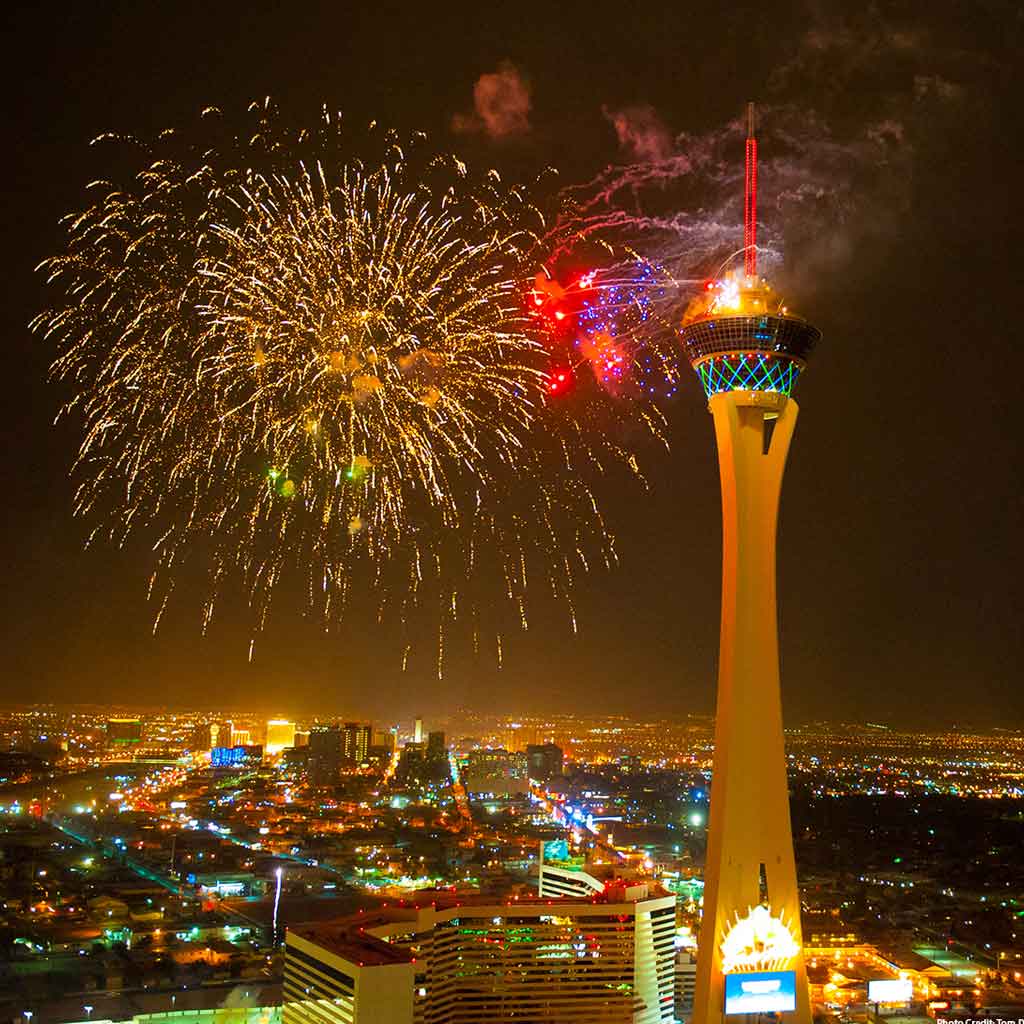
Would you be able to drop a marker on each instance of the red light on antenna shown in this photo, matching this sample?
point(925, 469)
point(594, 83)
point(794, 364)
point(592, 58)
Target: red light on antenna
point(750, 199)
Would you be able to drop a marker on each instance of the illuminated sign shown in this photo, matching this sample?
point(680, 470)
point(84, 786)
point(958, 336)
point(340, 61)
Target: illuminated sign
point(891, 990)
point(758, 942)
point(227, 757)
point(555, 850)
point(761, 992)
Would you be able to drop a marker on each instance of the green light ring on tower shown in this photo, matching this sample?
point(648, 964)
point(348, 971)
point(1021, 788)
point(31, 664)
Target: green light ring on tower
point(754, 371)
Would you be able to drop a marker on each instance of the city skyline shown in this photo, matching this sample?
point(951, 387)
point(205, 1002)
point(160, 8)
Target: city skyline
point(150, 868)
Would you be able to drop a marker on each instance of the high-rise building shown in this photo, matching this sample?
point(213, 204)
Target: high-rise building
point(517, 736)
point(479, 961)
point(296, 758)
point(417, 730)
point(686, 983)
point(748, 350)
point(412, 765)
point(331, 977)
point(124, 731)
point(204, 736)
point(382, 746)
point(383, 738)
point(280, 734)
point(543, 761)
point(325, 756)
point(561, 874)
point(436, 748)
point(496, 772)
point(356, 742)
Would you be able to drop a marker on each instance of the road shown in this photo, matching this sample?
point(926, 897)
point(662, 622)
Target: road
point(116, 853)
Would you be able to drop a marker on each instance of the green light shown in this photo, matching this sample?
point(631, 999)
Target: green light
point(748, 372)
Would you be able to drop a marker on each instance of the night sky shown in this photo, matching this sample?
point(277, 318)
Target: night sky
point(900, 539)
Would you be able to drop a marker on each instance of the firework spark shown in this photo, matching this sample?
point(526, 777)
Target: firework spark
point(286, 360)
point(615, 319)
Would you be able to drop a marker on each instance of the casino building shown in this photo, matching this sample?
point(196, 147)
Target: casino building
point(599, 960)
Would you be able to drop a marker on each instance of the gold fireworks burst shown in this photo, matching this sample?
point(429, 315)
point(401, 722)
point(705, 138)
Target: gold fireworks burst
point(320, 367)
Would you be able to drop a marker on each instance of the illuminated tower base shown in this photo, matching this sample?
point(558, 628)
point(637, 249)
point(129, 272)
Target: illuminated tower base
point(750, 843)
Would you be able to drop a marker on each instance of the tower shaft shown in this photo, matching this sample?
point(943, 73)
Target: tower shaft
point(750, 842)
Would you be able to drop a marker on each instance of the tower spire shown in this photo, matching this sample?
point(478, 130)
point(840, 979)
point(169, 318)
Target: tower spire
point(750, 199)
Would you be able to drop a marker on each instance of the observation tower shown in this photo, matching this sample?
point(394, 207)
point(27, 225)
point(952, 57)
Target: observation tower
point(749, 349)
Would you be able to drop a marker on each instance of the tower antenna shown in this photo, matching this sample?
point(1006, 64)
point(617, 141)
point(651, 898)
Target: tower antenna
point(750, 199)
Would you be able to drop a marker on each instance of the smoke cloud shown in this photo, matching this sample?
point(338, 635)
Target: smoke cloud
point(831, 176)
point(641, 132)
point(501, 104)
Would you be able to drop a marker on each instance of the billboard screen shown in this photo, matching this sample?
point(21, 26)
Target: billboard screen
point(556, 850)
point(890, 990)
point(762, 992)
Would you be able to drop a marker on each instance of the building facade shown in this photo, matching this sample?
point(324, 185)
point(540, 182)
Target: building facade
point(325, 756)
point(280, 734)
point(436, 747)
point(569, 961)
point(356, 739)
point(686, 983)
point(329, 979)
point(543, 761)
point(496, 772)
point(124, 731)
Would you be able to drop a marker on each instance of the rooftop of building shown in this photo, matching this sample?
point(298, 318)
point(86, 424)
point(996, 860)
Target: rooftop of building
point(348, 940)
point(908, 959)
point(443, 900)
point(351, 938)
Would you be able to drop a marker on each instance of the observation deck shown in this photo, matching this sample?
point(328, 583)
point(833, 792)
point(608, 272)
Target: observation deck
point(740, 337)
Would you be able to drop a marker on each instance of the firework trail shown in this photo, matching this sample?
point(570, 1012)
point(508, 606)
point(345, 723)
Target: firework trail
point(638, 243)
point(680, 203)
point(289, 361)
